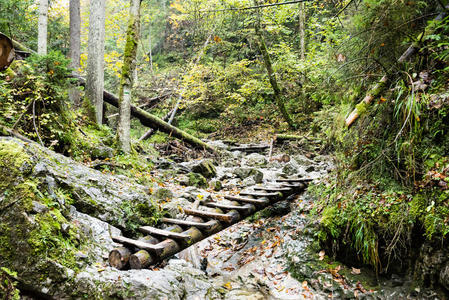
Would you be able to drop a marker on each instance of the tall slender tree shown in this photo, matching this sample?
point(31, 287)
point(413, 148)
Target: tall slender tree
point(271, 74)
point(75, 45)
point(302, 29)
point(127, 78)
point(95, 60)
point(42, 27)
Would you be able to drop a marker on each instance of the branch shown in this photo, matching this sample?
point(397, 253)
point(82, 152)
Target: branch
point(256, 6)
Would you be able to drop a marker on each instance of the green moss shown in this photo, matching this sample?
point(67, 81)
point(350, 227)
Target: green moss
point(362, 107)
point(13, 160)
point(197, 180)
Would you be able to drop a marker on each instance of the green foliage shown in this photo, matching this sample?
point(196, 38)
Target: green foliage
point(34, 101)
point(8, 283)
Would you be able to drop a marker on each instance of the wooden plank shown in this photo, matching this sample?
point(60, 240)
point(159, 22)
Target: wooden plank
point(256, 194)
point(248, 200)
point(293, 180)
point(199, 225)
point(272, 189)
point(164, 233)
point(212, 215)
point(138, 244)
point(243, 208)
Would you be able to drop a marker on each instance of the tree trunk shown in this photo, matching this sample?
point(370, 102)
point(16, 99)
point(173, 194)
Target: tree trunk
point(127, 79)
point(150, 45)
point(95, 61)
point(42, 28)
point(272, 76)
point(302, 33)
point(75, 46)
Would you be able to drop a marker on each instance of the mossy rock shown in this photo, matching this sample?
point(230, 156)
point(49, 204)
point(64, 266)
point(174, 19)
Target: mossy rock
point(197, 180)
point(206, 168)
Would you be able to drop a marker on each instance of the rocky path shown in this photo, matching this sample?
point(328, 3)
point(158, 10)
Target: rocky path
point(75, 210)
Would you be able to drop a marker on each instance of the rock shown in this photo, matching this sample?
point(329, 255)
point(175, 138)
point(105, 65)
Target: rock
point(303, 160)
point(205, 167)
point(173, 207)
point(39, 208)
point(102, 152)
point(249, 181)
point(163, 194)
point(243, 173)
point(216, 185)
point(444, 276)
point(193, 193)
point(197, 180)
point(255, 160)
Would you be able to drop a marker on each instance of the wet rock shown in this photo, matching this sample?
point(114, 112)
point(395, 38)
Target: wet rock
point(255, 160)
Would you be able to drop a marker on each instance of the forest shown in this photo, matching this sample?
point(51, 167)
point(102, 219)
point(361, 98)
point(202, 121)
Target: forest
point(224, 149)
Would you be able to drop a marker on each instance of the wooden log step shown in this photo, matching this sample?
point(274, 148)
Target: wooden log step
point(256, 194)
point(206, 225)
point(227, 218)
point(164, 233)
point(135, 243)
point(292, 180)
point(141, 259)
point(248, 200)
point(272, 189)
point(250, 148)
point(245, 209)
point(119, 257)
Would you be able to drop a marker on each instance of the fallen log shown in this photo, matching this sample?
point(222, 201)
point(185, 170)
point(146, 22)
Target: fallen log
point(380, 86)
point(370, 96)
point(288, 137)
point(119, 257)
point(150, 131)
point(152, 121)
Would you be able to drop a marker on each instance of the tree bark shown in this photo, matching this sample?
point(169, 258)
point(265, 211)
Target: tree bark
point(152, 121)
point(75, 46)
point(302, 33)
point(95, 61)
point(42, 27)
point(127, 78)
point(271, 75)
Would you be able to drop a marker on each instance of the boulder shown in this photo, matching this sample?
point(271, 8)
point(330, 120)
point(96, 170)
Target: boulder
point(243, 173)
point(196, 179)
point(255, 160)
point(205, 167)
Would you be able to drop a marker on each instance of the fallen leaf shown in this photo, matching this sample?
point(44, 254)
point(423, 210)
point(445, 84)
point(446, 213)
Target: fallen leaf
point(228, 285)
point(355, 271)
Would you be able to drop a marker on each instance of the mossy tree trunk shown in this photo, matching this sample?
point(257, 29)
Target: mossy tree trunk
point(271, 74)
point(127, 79)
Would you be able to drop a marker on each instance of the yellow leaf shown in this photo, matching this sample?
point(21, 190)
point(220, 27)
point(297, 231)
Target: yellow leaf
point(228, 285)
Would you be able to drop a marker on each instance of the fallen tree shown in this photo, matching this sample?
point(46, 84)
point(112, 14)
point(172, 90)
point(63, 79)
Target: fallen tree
point(154, 122)
point(144, 117)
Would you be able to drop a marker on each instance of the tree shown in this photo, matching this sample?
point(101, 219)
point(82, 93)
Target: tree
point(95, 61)
point(42, 27)
point(271, 75)
point(302, 21)
point(75, 45)
point(127, 78)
